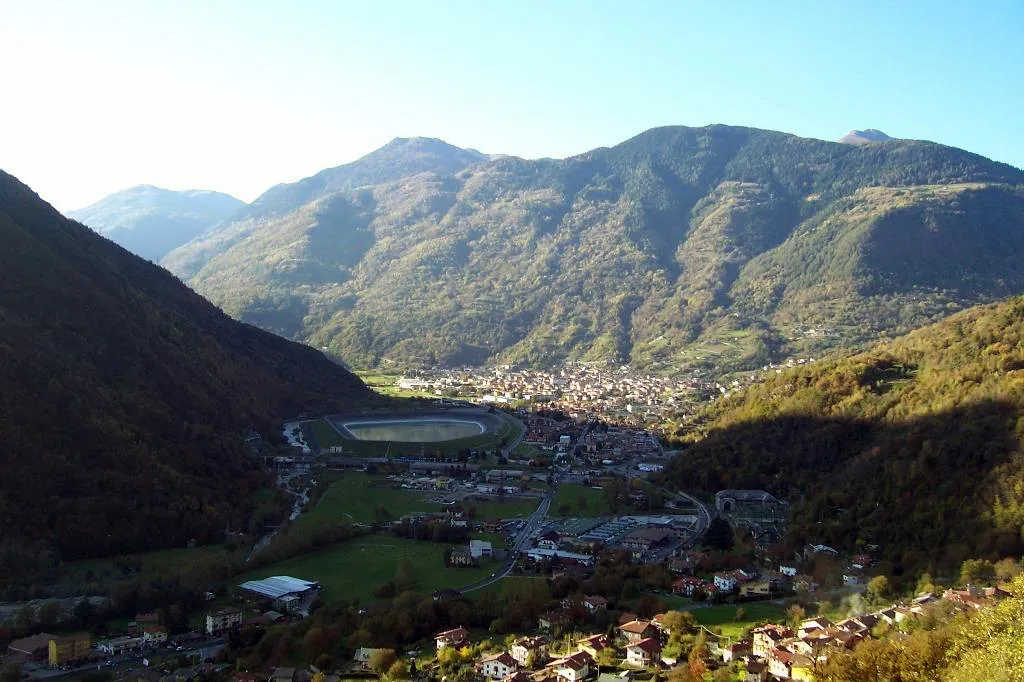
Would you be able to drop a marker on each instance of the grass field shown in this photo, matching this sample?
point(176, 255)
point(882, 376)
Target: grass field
point(581, 500)
point(387, 384)
point(724, 616)
point(353, 570)
point(355, 496)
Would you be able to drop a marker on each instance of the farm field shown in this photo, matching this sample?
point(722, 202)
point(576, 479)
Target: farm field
point(724, 616)
point(353, 570)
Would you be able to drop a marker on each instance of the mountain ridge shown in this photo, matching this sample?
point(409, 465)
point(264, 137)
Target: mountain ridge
point(638, 252)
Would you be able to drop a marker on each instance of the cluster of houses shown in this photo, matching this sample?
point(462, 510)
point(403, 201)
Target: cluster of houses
point(532, 658)
point(781, 652)
point(601, 388)
point(772, 652)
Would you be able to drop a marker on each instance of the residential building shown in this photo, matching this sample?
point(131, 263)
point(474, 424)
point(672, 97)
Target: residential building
point(786, 665)
point(595, 602)
point(573, 668)
point(498, 666)
point(787, 570)
point(737, 650)
point(687, 586)
point(767, 636)
point(222, 620)
point(69, 648)
point(456, 638)
point(756, 672)
point(548, 622)
point(644, 652)
point(526, 647)
point(725, 582)
point(594, 644)
point(637, 630)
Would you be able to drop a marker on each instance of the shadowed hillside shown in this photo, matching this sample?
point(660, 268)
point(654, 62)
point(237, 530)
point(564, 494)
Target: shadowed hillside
point(124, 396)
point(916, 445)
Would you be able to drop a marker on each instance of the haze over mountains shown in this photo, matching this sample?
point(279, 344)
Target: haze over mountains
point(125, 397)
point(150, 221)
point(681, 247)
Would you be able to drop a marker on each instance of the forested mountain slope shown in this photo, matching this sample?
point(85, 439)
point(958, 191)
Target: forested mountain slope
point(150, 221)
point(714, 246)
point(916, 445)
point(124, 396)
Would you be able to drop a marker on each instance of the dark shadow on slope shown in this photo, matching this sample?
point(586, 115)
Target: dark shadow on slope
point(923, 489)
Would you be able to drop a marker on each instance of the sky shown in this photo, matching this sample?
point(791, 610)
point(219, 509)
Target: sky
point(101, 95)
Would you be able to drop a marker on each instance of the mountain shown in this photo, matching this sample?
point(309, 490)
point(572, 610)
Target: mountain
point(916, 445)
point(680, 248)
point(125, 397)
point(400, 158)
point(150, 221)
point(864, 137)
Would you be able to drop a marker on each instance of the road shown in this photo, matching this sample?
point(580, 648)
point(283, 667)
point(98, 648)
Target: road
point(703, 512)
point(524, 536)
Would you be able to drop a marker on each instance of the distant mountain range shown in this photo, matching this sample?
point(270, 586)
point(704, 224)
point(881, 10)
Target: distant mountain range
point(150, 221)
point(679, 248)
point(125, 397)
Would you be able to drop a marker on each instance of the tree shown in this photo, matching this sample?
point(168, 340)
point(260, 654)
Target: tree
point(695, 662)
point(613, 491)
point(977, 571)
point(381, 660)
point(405, 575)
point(399, 670)
point(679, 623)
point(11, 672)
point(381, 516)
point(315, 641)
point(878, 588)
point(719, 534)
point(741, 614)
point(49, 614)
point(795, 614)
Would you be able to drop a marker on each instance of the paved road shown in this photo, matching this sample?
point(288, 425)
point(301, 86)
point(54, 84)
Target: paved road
point(704, 514)
point(524, 536)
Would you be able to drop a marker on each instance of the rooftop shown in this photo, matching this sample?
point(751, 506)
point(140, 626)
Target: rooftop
point(278, 586)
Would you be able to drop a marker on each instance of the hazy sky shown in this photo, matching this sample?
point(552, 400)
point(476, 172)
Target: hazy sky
point(238, 96)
